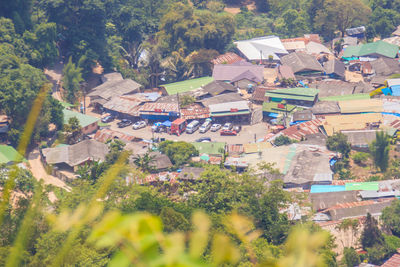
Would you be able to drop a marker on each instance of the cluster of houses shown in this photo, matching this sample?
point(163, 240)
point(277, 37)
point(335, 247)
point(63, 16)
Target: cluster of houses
point(301, 88)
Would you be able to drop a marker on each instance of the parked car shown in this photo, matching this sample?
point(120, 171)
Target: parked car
point(228, 132)
point(124, 123)
point(139, 124)
point(237, 128)
point(203, 139)
point(215, 127)
point(227, 126)
point(107, 119)
point(205, 126)
point(192, 127)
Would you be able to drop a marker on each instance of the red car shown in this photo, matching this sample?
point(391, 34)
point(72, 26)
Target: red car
point(228, 132)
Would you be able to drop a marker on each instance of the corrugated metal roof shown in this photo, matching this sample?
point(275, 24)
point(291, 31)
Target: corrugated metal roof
point(299, 131)
point(228, 106)
point(362, 186)
point(84, 120)
point(327, 188)
point(227, 58)
point(368, 194)
point(268, 45)
point(394, 261)
point(236, 149)
point(337, 123)
point(195, 111)
point(393, 82)
point(256, 147)
point(164, 107)
point(186, 86)
point(105, 134)
point(379, 47)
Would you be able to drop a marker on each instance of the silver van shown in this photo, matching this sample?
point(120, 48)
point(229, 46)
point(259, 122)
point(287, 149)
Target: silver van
point(192, 127)
point(205, 126)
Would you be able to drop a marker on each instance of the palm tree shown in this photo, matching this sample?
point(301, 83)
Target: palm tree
point(144, 163)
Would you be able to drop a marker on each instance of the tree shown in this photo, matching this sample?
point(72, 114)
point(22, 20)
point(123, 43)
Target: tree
point(391, 217)
point(295, 23)
point(144, 162)
point(371, 234)
point(340, 15)
point(338, 142)
point(73, 131)
point(173, 221)
point(72, 78)
point(350, 257)
point(183, 28)
point(178, 152)
point(380, 151)
point(81, 26)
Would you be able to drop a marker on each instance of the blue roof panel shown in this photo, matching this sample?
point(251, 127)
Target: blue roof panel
point(327, 188)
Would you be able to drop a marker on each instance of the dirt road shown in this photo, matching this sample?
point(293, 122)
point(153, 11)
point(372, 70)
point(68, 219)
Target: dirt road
point(38, 171)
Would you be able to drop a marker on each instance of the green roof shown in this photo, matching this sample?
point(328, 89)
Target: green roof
point(273, 107)
point(186, 86)
point(9, 154)
point(345, 97)
point(379, 47)
point(210, 147)
point(298, 93)
point(84, 120)
point(371, 186)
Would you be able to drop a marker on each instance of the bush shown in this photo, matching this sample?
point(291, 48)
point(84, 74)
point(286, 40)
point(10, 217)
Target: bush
point(283, 140)
point(360, 158)
point(374, 178)
point(350, 257)
point(338, 142)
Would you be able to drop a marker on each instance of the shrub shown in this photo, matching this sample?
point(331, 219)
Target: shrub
point(360, 158)
point(282, 140)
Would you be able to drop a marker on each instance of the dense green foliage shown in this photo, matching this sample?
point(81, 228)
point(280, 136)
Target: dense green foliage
point(338, 142)
point(282, 140)
point(178, 152)
point(378, 246)
point(391, 217)
point(350, 257)
point(380, 151)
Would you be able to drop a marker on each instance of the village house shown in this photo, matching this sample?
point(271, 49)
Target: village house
point(218, 88)
point(127, 106)
point(69, 157)
point(88, 123)
point(238, 112)
point(9, 156)
point(113, 85)
point(308, 168)
point(296, 96)
point(303, 64)
point(335, 69)
point(265, 50)
point(371, 51)
point(324, 108)
point(190, 174)
point(241, 74)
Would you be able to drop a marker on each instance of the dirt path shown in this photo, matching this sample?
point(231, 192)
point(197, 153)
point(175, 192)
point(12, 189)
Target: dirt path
point(55, 75)
point(39, 172)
